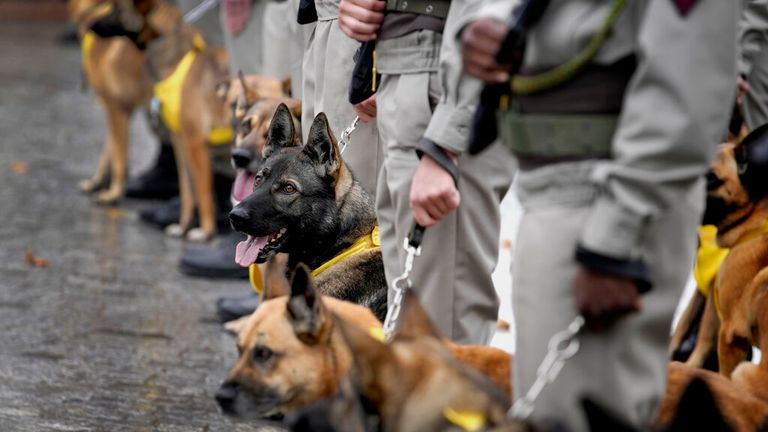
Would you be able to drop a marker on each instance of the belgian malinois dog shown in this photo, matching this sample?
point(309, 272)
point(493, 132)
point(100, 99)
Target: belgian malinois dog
point(306, 203)
point(114, 69)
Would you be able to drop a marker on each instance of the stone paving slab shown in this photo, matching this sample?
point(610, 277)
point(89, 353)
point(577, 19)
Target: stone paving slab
point(109, 336)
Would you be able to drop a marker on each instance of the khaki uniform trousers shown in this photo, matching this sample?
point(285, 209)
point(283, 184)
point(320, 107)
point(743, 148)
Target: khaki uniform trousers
point(245, 48)
point(556, 201)
point(327, 71)
point(283, 43)
point(756, 101)
point(452, 277)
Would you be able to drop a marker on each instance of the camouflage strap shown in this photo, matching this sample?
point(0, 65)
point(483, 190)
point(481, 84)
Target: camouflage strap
point(435, 8)
point(557, 135)
point(563, 73)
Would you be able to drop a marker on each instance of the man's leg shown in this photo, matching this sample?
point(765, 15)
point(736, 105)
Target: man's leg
point(453, 274)
point(244, 48)
point(756, 100)
point(328, 59)
point(283, 43)
point(623, 368)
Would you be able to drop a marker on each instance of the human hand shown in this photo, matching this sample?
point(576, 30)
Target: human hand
point(366, 110)
point(482, 41)
point(361, 19)
point(602, 299)
point(433, 192)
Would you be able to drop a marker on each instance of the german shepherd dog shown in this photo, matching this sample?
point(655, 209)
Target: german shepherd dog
point(306, 203)
point(413, 383)
point(737, 204)
point(114, 69)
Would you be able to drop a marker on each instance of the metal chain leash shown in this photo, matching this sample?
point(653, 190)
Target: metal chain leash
point(344, 140)
point(412, 246)
point(198, 11)
point(562, 346)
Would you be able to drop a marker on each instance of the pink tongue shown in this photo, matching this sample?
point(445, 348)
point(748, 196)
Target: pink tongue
point(248, 250)
point(243, 185)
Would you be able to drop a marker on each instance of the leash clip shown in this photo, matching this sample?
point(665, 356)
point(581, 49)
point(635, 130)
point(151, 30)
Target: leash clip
point(412, 246)
point(344, 140)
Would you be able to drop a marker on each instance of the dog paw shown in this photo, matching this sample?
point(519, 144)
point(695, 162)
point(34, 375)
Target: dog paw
point(87, 186)
point(198, 235)
point(174, 230)
point(108, 198)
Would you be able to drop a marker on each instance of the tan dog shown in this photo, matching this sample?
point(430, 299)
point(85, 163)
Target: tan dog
point(114, 69)
point(737, 204)
point(416, 384)
point(291, 352)
point(741, 410)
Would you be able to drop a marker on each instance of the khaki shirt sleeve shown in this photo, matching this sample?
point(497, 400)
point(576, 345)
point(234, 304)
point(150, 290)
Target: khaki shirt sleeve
point(450, 124)
point(675, 112)
point(753, 33)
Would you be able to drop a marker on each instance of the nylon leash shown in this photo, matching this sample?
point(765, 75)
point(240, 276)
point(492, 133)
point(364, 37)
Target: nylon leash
point(198, 11)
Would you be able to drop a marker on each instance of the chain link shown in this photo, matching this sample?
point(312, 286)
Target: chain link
point(399, 285)
point(562, 346)
point(344, 141)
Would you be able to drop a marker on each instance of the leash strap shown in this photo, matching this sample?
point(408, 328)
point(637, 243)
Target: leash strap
point(198, 11)
point(412, 246)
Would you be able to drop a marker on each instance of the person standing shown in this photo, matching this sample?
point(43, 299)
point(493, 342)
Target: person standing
point(611, 153)
point(425, 105)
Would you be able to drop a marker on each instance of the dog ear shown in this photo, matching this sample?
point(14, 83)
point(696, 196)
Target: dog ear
point(321, 145)
point(372, 358)
point(698, 410)
point(305, 307)
point(752, 157)
point(295, 106)
point(275, 282)
point(244, 88)
point(414, 321)
point(282, 132)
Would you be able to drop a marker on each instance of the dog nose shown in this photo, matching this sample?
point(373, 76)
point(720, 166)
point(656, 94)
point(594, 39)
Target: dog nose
point(238, 217)
point(226, 395)
point(241, 157)
point(713, 181)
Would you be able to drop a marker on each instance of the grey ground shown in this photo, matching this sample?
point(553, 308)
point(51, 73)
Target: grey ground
point(109, 336)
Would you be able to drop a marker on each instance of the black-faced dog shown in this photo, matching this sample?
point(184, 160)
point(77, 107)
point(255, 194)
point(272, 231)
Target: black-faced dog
point(306, 203)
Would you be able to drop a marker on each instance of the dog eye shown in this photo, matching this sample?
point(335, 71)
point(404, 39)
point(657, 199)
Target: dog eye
point(245, 127)
point(257, 181)
point(261, 354)
point(289, 188)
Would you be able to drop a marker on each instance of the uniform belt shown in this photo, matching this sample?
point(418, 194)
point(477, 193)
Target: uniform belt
point(435, 8)
point(557, 136)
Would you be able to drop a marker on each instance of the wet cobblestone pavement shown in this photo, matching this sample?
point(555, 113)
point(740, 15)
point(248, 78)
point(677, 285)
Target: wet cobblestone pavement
point(109, 336)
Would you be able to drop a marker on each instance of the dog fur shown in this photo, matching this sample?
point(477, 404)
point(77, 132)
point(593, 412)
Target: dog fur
point(115, 71)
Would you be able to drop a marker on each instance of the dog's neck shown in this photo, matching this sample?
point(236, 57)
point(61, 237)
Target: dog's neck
point(164, 54)
point(743, 225)
point(356, 218)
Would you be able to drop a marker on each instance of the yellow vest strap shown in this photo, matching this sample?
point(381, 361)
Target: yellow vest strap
point(467, 420)
point(257, 281)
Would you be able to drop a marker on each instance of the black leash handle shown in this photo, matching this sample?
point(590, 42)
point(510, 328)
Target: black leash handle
point(416, 235)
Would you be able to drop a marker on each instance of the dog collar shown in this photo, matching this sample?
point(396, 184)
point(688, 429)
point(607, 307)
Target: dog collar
point(365, 243)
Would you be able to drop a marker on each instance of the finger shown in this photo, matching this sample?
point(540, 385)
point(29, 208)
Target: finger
point(361, 37)
point(490, 76)
point(358, 27)
point(361, 14)
point(451, 199)
point(374, 5)
point(422, 217)
point(434, 212)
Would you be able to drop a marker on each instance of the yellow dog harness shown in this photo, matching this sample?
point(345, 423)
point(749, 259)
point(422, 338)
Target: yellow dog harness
point(365, 243)
point(168, 92)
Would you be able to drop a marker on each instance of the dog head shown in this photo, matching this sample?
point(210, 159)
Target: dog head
point(738, 179)
point(297, 192)
point(290, 353)
point(415, 383)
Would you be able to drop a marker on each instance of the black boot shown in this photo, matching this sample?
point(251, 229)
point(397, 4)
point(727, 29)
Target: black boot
point(159, 182)
point(216, 261)
point(222, 191)
point(163, 214)
point(231, 308)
